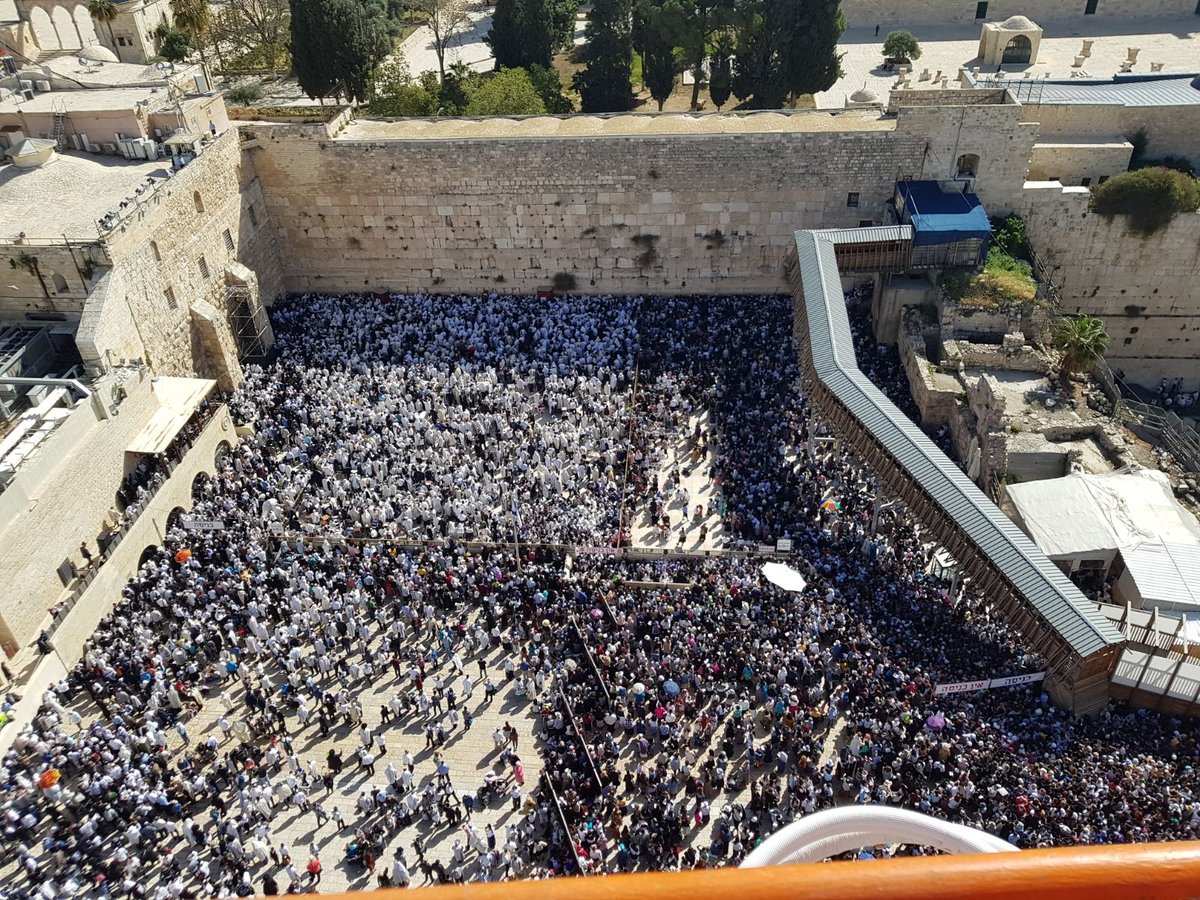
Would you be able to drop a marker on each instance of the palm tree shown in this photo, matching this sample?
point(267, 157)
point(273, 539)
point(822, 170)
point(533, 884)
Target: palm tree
point(1082, 340)
point(105, 11)
point(194, 17)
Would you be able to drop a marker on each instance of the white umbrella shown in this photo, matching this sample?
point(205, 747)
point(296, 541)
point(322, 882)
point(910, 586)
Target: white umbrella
point(784, 576)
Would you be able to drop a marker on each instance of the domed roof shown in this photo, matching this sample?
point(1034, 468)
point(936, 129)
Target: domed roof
point(863, 95)
point(1018, 23)
point(97, 53)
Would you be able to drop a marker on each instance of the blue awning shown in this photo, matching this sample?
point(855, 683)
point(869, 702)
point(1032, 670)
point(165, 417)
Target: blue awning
point(941, 216)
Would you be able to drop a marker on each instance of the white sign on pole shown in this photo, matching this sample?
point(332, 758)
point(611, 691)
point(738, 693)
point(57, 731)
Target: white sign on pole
point(961, 687)
point(203, 524)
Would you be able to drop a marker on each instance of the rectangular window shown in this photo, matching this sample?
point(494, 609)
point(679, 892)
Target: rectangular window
point(228, 240)
point(852, 198)
point(981, 10)
point(169, 293)
point(203, 266)
point(1090, 9)
point(1085, 182)
point(250, 213)
point(1102, 179)
point(865, 223)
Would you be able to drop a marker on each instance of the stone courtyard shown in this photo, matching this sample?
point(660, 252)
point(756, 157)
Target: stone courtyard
point(947, 47)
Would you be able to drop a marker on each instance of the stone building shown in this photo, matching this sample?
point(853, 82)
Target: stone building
point(46, 28)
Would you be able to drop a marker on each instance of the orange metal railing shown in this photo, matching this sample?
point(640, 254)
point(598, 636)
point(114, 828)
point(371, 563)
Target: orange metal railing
point(1131, 872)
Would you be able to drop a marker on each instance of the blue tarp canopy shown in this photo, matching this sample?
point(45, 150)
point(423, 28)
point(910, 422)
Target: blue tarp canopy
point(941, 217)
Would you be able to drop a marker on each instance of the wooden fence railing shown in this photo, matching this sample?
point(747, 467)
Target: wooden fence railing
point(1129, 872)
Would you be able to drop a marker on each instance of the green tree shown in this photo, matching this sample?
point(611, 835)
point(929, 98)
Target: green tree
point(529, 32)
point(176, 45)
point(105, 11)
point(396, 94)
point(1082, 340)
point(509, 92)
point(312, 46)
point(255, 28)
point(693, 24)
point(658, 63)
point(901, 45)
point(720, 79)
point(336, 42)
point(362, 44)
point(194, 17)
point(603, 84)
point(550, 88)
point(786, 48)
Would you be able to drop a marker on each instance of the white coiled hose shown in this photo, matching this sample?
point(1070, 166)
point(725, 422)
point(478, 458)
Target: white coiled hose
point(833, 831)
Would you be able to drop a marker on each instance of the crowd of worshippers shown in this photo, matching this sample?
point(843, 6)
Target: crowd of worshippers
point(680, 720)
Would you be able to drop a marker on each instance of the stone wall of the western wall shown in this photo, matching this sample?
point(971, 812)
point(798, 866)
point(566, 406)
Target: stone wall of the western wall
point(173, 252)
point(667, 213)
point(622, 214)
point(909, 13)
point(48, 278)
point(1147, 290)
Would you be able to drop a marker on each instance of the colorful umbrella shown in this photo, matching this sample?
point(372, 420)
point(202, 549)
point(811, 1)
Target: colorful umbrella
point(183, 555)
point(671, 688)
point(831, 505)
point(49, 778)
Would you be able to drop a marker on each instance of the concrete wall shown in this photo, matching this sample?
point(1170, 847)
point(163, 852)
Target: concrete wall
point(31, 295)
point(624, 213)
point(60, 499)
point(1170, 130)
point(866, 13)
point(1145, 289)
point(160, 246)
point(102, 593)
point(1070, 162)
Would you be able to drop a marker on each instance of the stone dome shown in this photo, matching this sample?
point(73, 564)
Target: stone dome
point(1018, 23)
point(97, 53)
point(863, 95)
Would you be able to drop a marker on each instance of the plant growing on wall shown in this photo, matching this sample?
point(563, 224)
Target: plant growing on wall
point(1081, 340)
point(1151, 198)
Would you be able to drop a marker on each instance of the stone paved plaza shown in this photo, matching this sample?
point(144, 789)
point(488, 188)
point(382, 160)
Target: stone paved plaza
point(947, 47)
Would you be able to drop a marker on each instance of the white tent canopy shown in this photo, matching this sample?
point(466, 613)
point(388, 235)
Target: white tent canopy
point(784, 576)
point(1095, 515)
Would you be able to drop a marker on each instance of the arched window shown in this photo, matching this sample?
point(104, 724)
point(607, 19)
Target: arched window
point(60, 283)
point(968, 165)
point(154, 250)
point(199, 203)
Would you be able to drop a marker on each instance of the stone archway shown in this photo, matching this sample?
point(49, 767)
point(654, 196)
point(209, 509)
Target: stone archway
point(85, 26)
point(43, 29)
point(199, 483)
point(175, 518)
point(1018, 51)
point(148, 554)
point(64, 24)
point(221, 455)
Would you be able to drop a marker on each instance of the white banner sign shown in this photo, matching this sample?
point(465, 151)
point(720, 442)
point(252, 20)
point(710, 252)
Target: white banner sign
point(203, 524)
point(783, 545)
point(962, 687)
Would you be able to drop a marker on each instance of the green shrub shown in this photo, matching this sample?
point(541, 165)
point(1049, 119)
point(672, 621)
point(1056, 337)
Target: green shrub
point(1008, 234)
point(1151, 198)
point(245, 93)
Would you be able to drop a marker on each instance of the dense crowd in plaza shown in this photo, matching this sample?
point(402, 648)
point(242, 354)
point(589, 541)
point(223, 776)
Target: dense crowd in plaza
point(685, 706)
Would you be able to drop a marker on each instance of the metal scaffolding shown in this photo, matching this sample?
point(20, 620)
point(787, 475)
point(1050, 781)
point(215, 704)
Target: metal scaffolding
point(249, 329)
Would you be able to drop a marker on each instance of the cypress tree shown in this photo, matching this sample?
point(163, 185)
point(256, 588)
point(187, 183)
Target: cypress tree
point(604, 84)
point(311, 46)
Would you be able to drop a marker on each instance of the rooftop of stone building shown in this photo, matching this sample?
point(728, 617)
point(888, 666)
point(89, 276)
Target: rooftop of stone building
point(632, 124)
point(67, 196)
point(97, 100)
point(90, 73)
